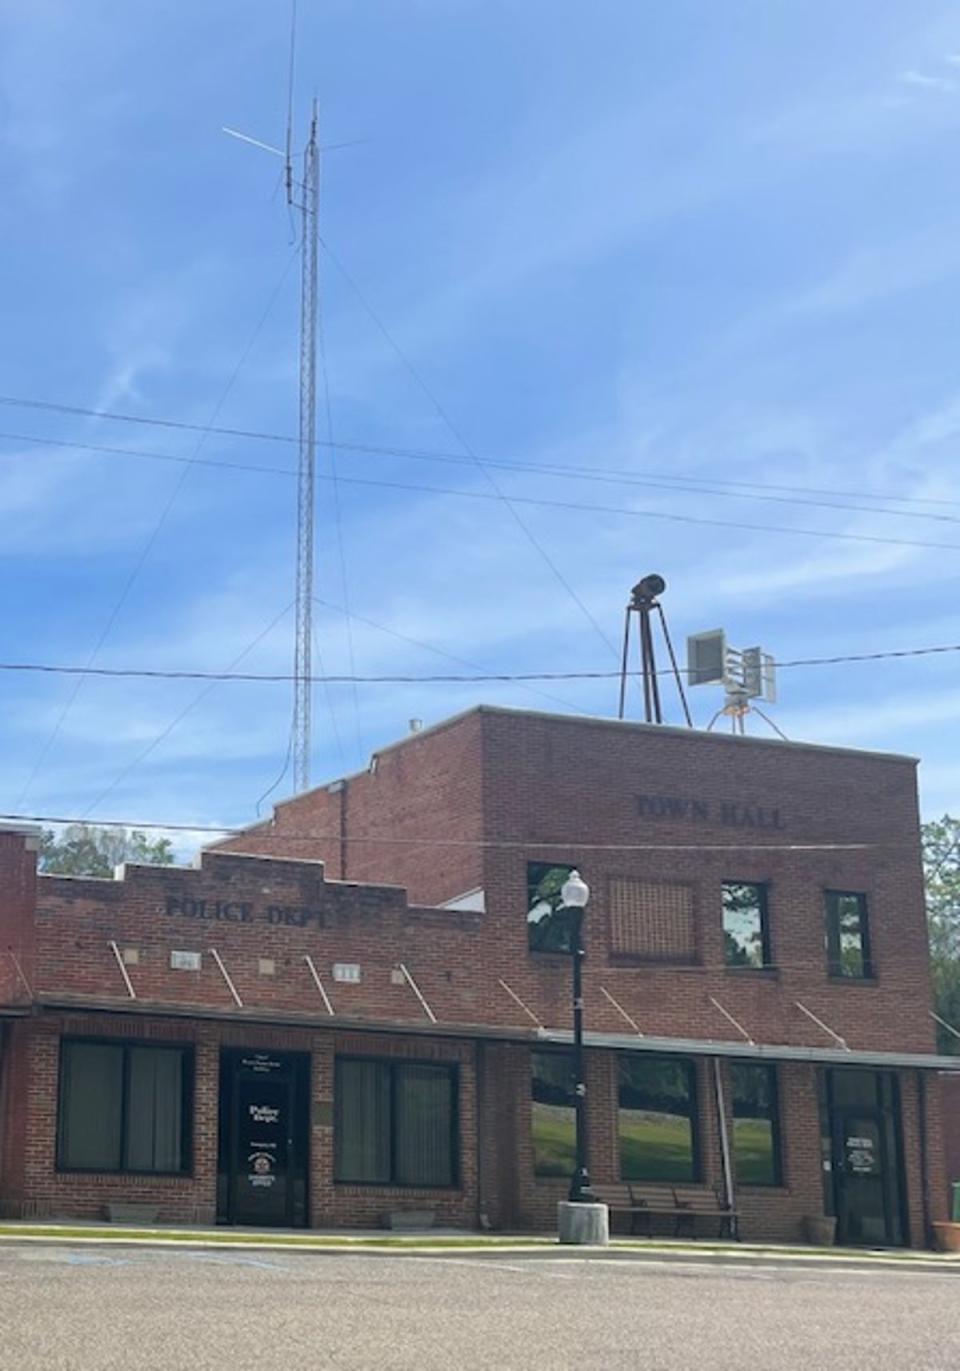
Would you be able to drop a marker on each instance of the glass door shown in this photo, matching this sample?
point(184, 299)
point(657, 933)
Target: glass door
point(865, 1126)
point(263, 1140)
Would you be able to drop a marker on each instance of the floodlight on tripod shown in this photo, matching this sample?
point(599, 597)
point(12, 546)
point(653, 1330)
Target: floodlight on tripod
point(643, 604)
point(746, 674)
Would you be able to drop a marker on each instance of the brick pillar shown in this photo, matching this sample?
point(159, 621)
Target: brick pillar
point(321, 1131)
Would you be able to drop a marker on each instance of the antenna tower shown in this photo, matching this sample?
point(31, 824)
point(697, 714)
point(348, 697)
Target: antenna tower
point(644, 603)
point(303, 649)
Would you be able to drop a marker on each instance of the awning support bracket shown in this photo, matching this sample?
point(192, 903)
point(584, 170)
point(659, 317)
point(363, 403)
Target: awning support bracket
point(226, 976)
point(730, 1019)
point(820, 1024)
point(318, 983)
point(943, 1024)
point(621, 1011)
point(123, 968)
point(416, 990)
point(517, 1000)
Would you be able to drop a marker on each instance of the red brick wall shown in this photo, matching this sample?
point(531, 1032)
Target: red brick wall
point(427, 787)
point(562, 786)
point(18, 881)
point(39, 1190)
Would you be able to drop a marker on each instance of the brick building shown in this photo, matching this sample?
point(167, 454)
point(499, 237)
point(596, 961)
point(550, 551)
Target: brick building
point(362, 1005)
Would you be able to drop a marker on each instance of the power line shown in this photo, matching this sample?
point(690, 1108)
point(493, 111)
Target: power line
point(578, 506)
point(508, 843)
point(442, 652)
point(148, 546)
point(351, 678)
point(168, 728)
point(424, 454)
point(498, 492)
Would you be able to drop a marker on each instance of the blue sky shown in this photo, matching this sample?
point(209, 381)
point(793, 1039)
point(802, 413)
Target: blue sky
point(714, 242)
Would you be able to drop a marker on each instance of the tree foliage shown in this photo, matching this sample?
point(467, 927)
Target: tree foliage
point(941, 870)
point(86, 850)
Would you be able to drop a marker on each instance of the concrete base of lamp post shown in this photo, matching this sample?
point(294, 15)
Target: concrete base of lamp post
point(583, 1224)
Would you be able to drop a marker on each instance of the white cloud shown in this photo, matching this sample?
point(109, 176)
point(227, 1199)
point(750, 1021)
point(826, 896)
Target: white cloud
point(927, 82)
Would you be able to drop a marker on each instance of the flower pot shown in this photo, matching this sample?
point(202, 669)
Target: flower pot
point(820, 1229)
point(946, 1237)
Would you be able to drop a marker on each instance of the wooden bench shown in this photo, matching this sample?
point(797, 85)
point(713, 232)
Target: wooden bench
point(684, 1204)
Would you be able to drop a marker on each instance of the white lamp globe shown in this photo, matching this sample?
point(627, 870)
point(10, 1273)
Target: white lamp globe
point(575, 892)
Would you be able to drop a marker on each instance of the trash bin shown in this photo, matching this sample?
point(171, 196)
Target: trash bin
point(956, 1201)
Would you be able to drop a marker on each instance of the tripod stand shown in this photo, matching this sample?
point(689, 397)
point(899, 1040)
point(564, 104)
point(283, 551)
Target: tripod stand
point(643, 604)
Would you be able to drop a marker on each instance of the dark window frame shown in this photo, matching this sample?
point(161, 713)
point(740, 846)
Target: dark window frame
point(832, 935)
point(763, 887)
point(531, 942)
point(773, 1077)
point(558, 1054)
point(187, 1084)
point(452, 1068)
point(693, 1086)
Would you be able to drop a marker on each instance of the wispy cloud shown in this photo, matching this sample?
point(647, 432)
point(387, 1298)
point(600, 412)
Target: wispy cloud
point(925, 81)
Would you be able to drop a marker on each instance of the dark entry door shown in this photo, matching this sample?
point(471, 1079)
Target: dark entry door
point(263, 1138)
point(866, 1158)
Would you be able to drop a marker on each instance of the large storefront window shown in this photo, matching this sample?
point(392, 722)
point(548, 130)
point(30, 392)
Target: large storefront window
point(124, 1107)
point(756, 1131)
point(656, 1117)
point(396, 1122)
point(553, 1114)
point(548, 919)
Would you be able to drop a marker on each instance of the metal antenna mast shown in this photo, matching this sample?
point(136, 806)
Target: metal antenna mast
point(303, 650)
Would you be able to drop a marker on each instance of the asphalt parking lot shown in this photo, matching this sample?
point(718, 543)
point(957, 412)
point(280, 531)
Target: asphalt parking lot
point(87, 1309)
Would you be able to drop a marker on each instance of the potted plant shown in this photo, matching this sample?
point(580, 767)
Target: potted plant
point(946, 1236)
point(820, 1229)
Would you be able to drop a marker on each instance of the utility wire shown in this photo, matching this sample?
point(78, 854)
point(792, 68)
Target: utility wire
point(498, 493)
point(179, 717)
point(450, 656)
point(148, 673)
point(571, 505)
point(148, 546)
point(518, 843)
point(581, 472)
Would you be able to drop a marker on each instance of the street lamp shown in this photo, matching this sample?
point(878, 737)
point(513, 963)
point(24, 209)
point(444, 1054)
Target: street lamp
point(575, 894)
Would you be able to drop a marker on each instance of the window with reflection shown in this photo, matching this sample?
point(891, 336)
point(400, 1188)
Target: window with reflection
point(848, 937)
point(756, 1125)
point(553, 1114)
point(548, 920)
point(746, 937)
point(656, 1118)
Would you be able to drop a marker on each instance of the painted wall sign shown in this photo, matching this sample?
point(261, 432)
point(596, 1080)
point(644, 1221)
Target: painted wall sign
point(238, 912)
point(728, 813)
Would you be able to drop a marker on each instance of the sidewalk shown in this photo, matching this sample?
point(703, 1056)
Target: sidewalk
point(456, 1243)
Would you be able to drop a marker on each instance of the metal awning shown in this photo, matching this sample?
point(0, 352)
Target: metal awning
point(767, 1052)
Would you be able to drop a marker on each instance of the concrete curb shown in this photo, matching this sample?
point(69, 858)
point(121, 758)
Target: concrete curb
point(544, 1249)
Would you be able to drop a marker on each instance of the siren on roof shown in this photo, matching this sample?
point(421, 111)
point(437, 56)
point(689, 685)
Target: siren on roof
point(746, 674)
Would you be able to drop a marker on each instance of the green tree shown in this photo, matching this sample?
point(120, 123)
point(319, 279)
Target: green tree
point(85, 850)
point(941, 870)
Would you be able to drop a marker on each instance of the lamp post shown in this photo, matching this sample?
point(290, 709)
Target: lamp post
point(575, 894)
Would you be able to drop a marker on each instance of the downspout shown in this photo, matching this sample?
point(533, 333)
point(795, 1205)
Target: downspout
point(480, 1078)
point(725, 1149)
point(924, 1164)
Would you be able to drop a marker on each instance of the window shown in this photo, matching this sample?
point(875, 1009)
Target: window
point(124, 1107)
point(652, 920)
point(756, 1125)
point(395, 1122)
point(655, 1120)
point(746, 940)
point(848, 939)
point(553, 1114)
point(549, 922)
